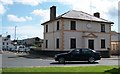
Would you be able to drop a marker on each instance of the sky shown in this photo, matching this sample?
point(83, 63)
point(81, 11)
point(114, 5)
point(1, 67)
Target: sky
point(27, 15)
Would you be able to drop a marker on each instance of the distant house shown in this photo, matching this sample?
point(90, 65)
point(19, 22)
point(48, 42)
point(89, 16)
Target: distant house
point(76, 29)
point(115, 42)
point(0, 42)
point(31, 42)
point(5, 43)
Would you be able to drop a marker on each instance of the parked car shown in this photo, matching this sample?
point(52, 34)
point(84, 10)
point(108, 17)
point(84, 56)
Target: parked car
point(78, 54)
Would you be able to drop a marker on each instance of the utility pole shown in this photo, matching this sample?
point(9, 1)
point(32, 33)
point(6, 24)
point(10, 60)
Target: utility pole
point(15, 38)
point(15, 32)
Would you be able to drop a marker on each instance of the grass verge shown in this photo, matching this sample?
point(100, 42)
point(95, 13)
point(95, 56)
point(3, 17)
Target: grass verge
point(62, 69)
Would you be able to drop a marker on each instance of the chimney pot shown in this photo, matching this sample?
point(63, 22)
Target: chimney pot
point(97, 14)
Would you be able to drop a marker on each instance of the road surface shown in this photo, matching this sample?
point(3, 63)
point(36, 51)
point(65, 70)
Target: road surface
point(10, 59)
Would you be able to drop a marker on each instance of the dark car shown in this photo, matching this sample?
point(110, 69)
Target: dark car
point(78, 54)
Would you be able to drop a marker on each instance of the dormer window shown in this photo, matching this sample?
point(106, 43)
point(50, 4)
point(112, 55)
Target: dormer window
point(102, 27)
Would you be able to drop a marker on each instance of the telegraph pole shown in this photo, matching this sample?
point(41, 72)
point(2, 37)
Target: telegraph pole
point(15, 32)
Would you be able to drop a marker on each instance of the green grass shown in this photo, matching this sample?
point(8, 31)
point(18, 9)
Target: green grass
point(62, 69)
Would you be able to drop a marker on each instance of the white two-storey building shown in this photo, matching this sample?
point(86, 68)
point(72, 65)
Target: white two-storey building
point(76, 29)
point(5, 43)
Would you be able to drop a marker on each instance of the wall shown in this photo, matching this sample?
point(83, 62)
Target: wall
point(81, 30)
point(0, 43)
point(82, 26)
point(52, 35)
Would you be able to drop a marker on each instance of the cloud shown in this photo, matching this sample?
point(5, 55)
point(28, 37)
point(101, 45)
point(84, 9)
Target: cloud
point(3, 3)
point(44, 14)
point(113, 12)
point(6, 2)
point(91, 6)
point(15, 18)
point(30, 2)
point(23, 32)
point(2, 9)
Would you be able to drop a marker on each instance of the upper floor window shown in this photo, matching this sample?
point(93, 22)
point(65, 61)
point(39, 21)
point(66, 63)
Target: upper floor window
point(46, 28)
point(102, 27)
point(73, 25)
point(57, 25)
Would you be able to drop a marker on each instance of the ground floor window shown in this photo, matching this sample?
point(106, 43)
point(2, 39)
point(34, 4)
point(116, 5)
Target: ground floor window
point(57, 43)
point(46, 44)
point(73, 43)
point(102, 43)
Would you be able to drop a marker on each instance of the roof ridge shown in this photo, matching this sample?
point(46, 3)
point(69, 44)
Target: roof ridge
point(91, 15)
point(63, 14)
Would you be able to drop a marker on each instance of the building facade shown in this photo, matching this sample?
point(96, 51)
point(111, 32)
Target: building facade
point(115, 43)
point(36, 41)
point(0, 42)
point(5, 43)
point(76, 29)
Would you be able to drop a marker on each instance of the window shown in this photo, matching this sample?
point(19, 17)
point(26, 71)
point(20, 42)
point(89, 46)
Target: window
point(102, 43)
point(57, 25)
point(102, 27)
point(3, 47)
point(73, 25)
point(57, 43)
point(46, 28)
point(5, 39)
point(7, 47)
point(46, 43)
point(73, 43)
point(86, 51)
point(76, 52)
point(7, 43)
point(3, 43)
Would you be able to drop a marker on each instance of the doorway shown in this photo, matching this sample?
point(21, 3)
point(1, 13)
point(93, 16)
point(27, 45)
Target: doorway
point(91, 44)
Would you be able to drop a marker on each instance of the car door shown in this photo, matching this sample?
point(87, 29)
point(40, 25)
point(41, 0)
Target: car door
point(74, 55)
point(86, 53)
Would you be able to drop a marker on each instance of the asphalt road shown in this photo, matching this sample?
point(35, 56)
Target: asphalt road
point(10, 59)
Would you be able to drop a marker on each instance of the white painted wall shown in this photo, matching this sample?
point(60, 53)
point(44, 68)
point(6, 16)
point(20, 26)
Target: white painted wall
point(0, 43)
point(52, 35)
point(5, 46)
point(80, 27)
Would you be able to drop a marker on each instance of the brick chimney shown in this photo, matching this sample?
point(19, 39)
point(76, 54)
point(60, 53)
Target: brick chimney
point(52, 12)
point(97, 14)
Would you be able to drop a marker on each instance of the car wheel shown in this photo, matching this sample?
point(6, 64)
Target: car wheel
point(91, 60)
point(61, 60)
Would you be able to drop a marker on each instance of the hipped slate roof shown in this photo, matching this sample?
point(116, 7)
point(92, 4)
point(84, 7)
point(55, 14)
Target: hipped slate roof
point(79, 15)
